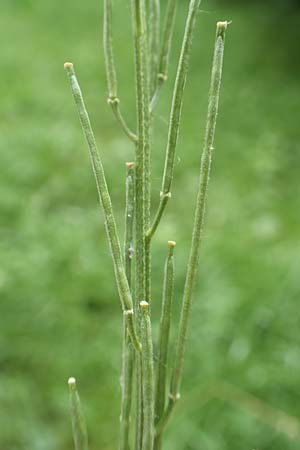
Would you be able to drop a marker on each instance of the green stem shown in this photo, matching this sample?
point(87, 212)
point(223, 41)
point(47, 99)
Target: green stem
point(77, 418)
point(148, 377)
point(175, 114)
point(199, 216)
point(110, 68)
point(167, 34)
point(105, 201)
point(127, 352)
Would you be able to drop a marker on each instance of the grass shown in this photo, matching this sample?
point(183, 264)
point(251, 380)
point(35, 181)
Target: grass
point(59, 314)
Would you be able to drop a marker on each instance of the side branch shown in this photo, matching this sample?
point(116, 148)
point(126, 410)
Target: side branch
point(111, 75)
point(105, 201)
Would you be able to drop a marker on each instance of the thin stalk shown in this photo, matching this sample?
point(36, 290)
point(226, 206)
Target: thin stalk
point(167, 36)
point(213, 106)
point(105, 201)
point(154, 22)
point(110, 68)
point(127, 352)
point(164, 335)
point(148, 377)
point(77, 418)
point(175, 114)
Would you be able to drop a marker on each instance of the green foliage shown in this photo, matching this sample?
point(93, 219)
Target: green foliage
point(57, 313)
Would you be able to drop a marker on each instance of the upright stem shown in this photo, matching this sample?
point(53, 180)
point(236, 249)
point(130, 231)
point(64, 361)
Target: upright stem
point(142, 188)
point(148, 377)
point(77, 418)
point(164, 335)
point(111, 75)
point(199, 217)
point(105, 201)
point(175, 114)
point(142, 173)
point(127, 352)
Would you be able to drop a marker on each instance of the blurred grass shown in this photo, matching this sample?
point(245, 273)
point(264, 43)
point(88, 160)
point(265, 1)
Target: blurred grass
point(59, 309)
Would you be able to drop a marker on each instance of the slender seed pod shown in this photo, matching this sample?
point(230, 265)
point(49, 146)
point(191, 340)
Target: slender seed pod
point(154, 32)
point(77, 418)
point(164, 335)
point(127, 351)
point(105, 201)
point(163, 63)
point(110, 68)
point(111, 75)
point(167, 39)
point(213, 106)
point(175, 114)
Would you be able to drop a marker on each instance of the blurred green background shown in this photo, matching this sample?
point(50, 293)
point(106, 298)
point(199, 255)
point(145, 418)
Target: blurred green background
point(60, 314)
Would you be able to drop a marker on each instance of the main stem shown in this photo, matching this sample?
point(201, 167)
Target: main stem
point(142, 191)
point(142, 171)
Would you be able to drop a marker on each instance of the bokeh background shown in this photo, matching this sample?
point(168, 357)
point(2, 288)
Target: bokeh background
point(59, 311)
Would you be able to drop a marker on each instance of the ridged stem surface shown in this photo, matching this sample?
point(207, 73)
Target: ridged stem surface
point(142, 187)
